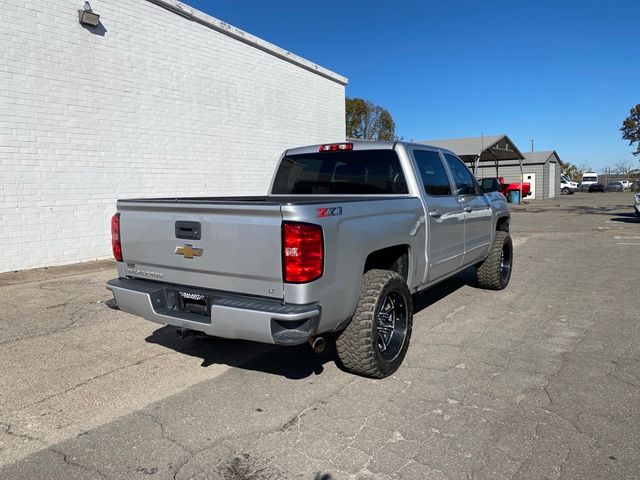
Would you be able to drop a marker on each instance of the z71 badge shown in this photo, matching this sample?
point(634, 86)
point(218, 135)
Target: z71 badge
point(328, 212)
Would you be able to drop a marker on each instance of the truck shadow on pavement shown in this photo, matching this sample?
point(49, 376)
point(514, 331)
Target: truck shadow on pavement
point(625, 217)
point(296, 362)
point(436, 293)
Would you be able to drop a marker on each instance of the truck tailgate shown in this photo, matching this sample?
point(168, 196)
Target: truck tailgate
point(238, 249)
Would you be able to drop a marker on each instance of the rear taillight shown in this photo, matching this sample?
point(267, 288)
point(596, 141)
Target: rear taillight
point(115, 237)
point(302, 252)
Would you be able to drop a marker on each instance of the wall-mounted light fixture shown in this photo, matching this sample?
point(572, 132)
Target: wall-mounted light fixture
point(88, 16)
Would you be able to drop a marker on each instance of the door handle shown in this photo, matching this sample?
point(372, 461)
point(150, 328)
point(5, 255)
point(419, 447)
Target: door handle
point(435, 214)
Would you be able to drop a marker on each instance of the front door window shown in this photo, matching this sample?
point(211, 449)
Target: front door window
point(465, 183)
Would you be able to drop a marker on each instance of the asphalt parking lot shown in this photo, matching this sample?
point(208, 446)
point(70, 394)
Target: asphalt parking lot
point(538, 381)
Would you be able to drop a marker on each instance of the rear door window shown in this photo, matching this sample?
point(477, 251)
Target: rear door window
point(465, 183)
point(434, 175)
point(358, 172)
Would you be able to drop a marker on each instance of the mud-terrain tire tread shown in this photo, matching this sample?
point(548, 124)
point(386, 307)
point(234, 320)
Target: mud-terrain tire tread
point(356, 344)
point(488, 271)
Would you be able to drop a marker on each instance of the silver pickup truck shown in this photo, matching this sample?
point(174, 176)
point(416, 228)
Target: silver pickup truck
point(348, 233)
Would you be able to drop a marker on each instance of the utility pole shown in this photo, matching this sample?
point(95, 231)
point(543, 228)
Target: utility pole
point(531, 144)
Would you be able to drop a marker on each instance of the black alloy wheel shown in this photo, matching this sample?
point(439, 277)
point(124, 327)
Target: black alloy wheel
point(376, 340)
point(392, 325)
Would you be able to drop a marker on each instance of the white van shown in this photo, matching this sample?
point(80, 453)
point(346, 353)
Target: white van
point(589, 177)
point(567, 187)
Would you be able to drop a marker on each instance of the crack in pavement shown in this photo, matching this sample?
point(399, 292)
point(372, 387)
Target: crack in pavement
point(95, 377)
point(67, 461)
point(6, 429)
point(63, 328)
point(256, 435)
point(65, 303)
point(626, 382)
point(163, 431)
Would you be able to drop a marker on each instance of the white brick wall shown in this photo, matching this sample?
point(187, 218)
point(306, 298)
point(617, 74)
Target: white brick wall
point(156, 105)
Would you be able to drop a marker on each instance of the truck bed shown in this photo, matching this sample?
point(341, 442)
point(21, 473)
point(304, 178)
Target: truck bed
point(231, 243)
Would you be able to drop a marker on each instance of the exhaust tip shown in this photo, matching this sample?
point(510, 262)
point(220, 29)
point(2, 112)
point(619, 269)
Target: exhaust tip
point(186, 332)
point(317, 344)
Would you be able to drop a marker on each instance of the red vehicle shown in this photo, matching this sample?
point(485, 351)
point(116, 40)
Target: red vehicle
point(497, 184)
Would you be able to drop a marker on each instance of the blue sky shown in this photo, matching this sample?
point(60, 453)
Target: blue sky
point(564, 73)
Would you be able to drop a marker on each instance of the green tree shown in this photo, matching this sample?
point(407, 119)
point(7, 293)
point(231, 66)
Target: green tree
point(573, 172)
point(368, 121)
point(631, 128)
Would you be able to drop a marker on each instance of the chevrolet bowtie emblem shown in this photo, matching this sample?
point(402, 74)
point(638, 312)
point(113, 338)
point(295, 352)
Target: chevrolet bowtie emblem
point(188, 251)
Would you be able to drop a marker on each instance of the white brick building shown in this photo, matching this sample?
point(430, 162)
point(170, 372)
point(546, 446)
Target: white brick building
point(159, 99)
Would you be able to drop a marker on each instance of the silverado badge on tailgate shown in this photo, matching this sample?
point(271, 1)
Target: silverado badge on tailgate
point(189, 251)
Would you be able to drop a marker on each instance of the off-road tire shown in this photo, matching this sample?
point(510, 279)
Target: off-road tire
point(357, 345)
point(490, 272)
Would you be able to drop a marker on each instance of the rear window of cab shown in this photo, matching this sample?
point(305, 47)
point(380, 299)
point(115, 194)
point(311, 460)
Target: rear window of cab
point(359, 172)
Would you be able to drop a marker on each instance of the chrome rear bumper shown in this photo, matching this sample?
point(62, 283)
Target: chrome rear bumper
point(228, 315)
